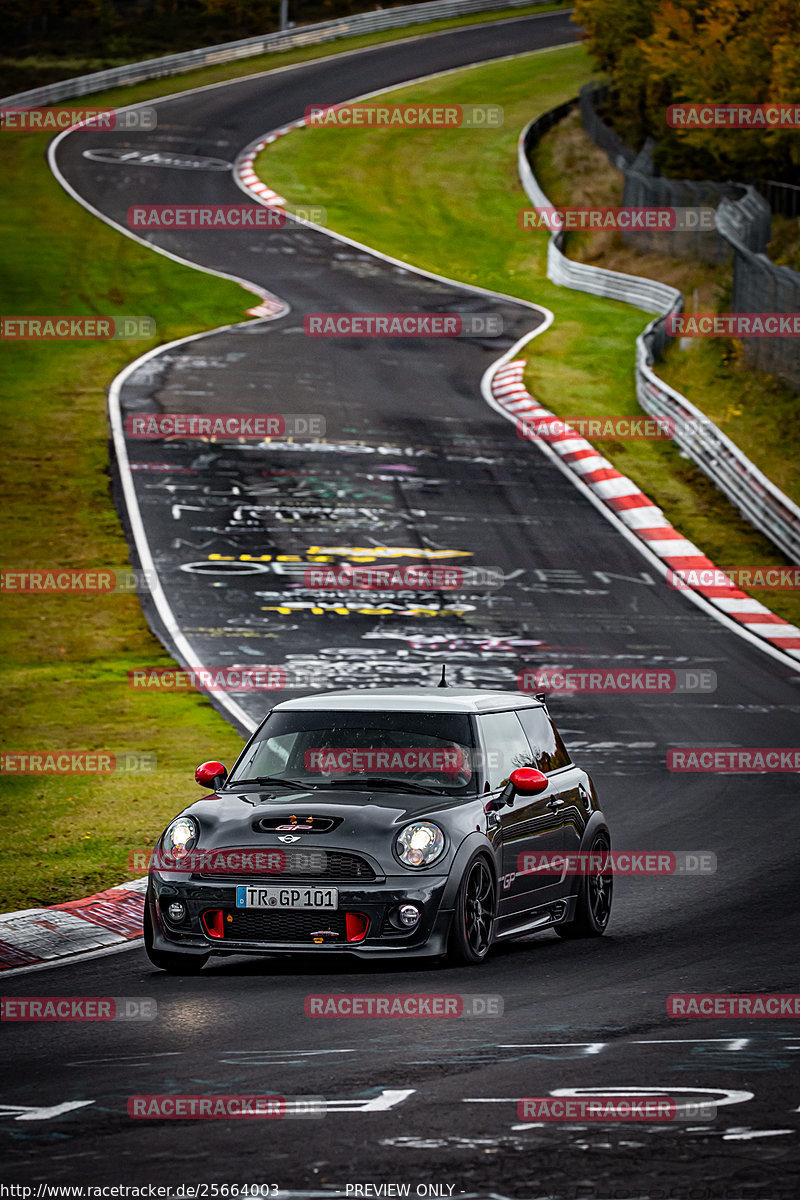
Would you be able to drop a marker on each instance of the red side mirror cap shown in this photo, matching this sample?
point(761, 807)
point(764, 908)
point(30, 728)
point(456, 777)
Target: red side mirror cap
point(529, 781)
point(211, 774)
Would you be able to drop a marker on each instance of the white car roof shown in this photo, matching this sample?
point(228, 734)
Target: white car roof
point(413, 699)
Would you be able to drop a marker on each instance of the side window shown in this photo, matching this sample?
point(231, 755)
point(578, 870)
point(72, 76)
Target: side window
point(505, 744)
point(268, 757)
point(549, 752)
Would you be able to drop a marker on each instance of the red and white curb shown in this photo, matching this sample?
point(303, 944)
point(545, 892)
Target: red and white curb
point(247, 179)
point(636, 511)
point(270, 306)
point(244, 170)
point(41, 935)
point(245, 173)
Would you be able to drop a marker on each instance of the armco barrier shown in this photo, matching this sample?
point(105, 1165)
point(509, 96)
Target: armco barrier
point(306, 35)
point(648, 294)
point(756, 497)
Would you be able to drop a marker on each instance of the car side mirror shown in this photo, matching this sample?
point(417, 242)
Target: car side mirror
point(211, 774)
point(526, 780)
point(529, 781)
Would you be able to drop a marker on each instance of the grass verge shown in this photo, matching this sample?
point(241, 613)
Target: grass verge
point(460, 200)
point(65, 657)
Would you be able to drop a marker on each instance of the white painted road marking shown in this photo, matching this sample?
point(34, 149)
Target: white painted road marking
point(386, 1099)
point(22, 1112)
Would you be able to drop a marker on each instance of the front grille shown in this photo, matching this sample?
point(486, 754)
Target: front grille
point(287, 926)
point(335, 866)
point(338, 866)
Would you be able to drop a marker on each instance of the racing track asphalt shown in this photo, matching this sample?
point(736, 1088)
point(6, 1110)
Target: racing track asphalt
point(424, 462)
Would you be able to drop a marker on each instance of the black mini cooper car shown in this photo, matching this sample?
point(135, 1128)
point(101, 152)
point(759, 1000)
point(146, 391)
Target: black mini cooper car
point(401, 822)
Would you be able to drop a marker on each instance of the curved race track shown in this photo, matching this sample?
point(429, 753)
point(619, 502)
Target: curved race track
point(415, 458)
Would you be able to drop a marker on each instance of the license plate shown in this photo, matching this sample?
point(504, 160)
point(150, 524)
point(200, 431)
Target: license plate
point(248, 896)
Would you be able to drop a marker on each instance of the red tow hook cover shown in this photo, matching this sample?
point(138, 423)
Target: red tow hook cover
point(356, 925)
point(212, 920)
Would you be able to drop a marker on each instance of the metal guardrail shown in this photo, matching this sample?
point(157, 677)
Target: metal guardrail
point(756, 497)
point(648, 294)
point(307, 35)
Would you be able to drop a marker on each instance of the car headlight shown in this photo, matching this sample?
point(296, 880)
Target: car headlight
point(419, 844)
point(181, 836)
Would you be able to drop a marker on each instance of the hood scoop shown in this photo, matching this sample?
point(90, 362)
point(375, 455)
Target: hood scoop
point(299, 824)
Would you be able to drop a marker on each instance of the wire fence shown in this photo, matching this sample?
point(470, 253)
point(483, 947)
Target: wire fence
point(644, 188)
point(783, 198)
point(741, 234)
point(759, 286)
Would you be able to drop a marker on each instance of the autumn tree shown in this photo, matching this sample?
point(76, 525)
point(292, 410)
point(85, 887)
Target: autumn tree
point(661, 52)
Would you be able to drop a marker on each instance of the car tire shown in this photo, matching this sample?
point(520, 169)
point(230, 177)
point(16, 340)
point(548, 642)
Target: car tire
point(595, 893)
point(473, 919)
point(174, 964)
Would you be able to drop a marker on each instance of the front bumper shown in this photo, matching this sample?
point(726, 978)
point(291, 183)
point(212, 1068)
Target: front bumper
point(292, 931)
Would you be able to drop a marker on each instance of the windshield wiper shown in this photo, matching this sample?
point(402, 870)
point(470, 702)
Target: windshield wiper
point(233, 784)
point(374, 781)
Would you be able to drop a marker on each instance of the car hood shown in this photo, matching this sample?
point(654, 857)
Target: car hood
point(233, 817)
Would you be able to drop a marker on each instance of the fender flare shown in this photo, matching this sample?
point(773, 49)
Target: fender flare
point(471, 845)
point(594, 825)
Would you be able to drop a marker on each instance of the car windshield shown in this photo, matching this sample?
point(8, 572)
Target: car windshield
point(428, 751)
